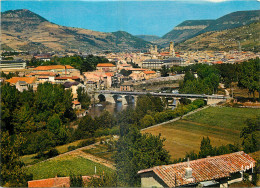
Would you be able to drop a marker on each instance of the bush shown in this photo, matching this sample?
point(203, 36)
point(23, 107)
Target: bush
point(185, 101)
point(86, 142)
point(147, 121)
point(52, 153)
point(70, 148)
point(198, 102)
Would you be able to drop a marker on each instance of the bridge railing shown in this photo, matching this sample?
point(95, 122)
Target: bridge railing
point(163, 94)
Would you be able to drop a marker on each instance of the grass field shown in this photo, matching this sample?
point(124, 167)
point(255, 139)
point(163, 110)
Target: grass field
point(29, 159)
point(221, 124)
point(101, 151)
point(65, 166)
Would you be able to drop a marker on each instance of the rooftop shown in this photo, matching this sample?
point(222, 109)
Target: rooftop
point(203, 169)
point(105, 65)
point(51, 67)
point(28, 80)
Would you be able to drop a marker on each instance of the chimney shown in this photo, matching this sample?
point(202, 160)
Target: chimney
point(188, 171)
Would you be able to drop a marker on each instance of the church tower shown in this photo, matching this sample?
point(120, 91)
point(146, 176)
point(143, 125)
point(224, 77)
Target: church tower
point(172, 52)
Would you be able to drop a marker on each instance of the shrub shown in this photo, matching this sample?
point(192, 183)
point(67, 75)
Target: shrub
point(52, 153)
point(86, 142)
point(147, 121)
point(70, 148)
point(198, 102)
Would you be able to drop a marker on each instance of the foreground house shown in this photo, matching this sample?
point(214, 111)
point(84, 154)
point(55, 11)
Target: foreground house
point(55, 182)
point(218, 171)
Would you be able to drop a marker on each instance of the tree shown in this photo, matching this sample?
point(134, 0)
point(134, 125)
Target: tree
point(249, 135)
point(125, 72)
point(249, 77)
point(83, 97)
point(147, 121)
point(164, 71)
point(105, 180)
point(205, 148)
point(12, 173)
point(136, 151)
point(76, 181)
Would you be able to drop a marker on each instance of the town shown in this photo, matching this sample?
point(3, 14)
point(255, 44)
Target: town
point(88, 110)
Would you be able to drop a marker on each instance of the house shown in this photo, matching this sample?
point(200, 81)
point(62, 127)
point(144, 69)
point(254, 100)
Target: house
point(60, 69)
point(76, 105)
point(55, 182)
point(13, 64)
point(149, 74)
point(158, 63)
point(106, 67)
point(218, 171)
point(127, 86)
point(22, 83)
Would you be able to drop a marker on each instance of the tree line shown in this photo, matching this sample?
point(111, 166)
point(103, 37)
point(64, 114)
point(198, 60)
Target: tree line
point(204, 79)
point(81, 63)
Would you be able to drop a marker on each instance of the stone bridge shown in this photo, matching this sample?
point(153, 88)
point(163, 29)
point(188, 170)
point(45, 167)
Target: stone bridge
point(127, 97)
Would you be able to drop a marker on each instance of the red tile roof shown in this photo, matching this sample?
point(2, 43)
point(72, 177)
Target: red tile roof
point(54, 182)
point(149, 72)
point(105, 65)
point(75, 102)
point(203, 169)
point(51, 67)
point(109, 74)
point(28, 80)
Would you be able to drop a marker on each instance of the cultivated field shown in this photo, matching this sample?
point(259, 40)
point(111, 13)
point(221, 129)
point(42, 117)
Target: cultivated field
point(65, 166)
point(221, 124)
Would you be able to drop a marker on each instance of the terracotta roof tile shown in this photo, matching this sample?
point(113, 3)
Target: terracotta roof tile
point(51, 67)
point(28, 80)
point(149, 72)
point(105, 65)
point(203, 169)
point(54, 182)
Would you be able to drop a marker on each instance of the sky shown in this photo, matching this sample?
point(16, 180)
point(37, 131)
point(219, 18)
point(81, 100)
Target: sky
point(135, 17)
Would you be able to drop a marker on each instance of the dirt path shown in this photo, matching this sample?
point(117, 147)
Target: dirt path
point(93, 158)
point(79, 152)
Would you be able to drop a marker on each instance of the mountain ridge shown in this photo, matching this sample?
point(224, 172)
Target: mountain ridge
point(26, 30)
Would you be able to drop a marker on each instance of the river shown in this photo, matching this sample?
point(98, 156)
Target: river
point(111, 108)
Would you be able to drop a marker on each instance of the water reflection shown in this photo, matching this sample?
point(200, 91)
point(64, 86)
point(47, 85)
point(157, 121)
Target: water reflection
point(111, 108)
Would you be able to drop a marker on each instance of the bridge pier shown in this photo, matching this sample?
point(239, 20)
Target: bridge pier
point(110, 98)
point(124, 101)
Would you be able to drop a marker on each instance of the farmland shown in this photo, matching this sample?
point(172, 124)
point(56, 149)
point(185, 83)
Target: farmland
point(65, 166)
point(221, 124)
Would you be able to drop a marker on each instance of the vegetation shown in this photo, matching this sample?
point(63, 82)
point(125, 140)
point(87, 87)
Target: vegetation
point(221, 124)
point(225, 40)
point(9, 75)
point(76, 181)
point(245, 74)
point(12, 173)
point(136, 151)
point(250, 135)
point(83, 98)
point(84, 64)
point(65, 166)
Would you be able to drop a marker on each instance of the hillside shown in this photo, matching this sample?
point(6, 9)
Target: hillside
point(226, 40)
point(186, 30)
point(193, 28)
point(149, 38)
point(25, 30)
point(233, 20)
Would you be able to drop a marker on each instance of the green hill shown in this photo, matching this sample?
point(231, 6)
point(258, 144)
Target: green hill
point(186, 30)
point(192, 28)
point(226, 40)
point(25, 30)
point(233, 20)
